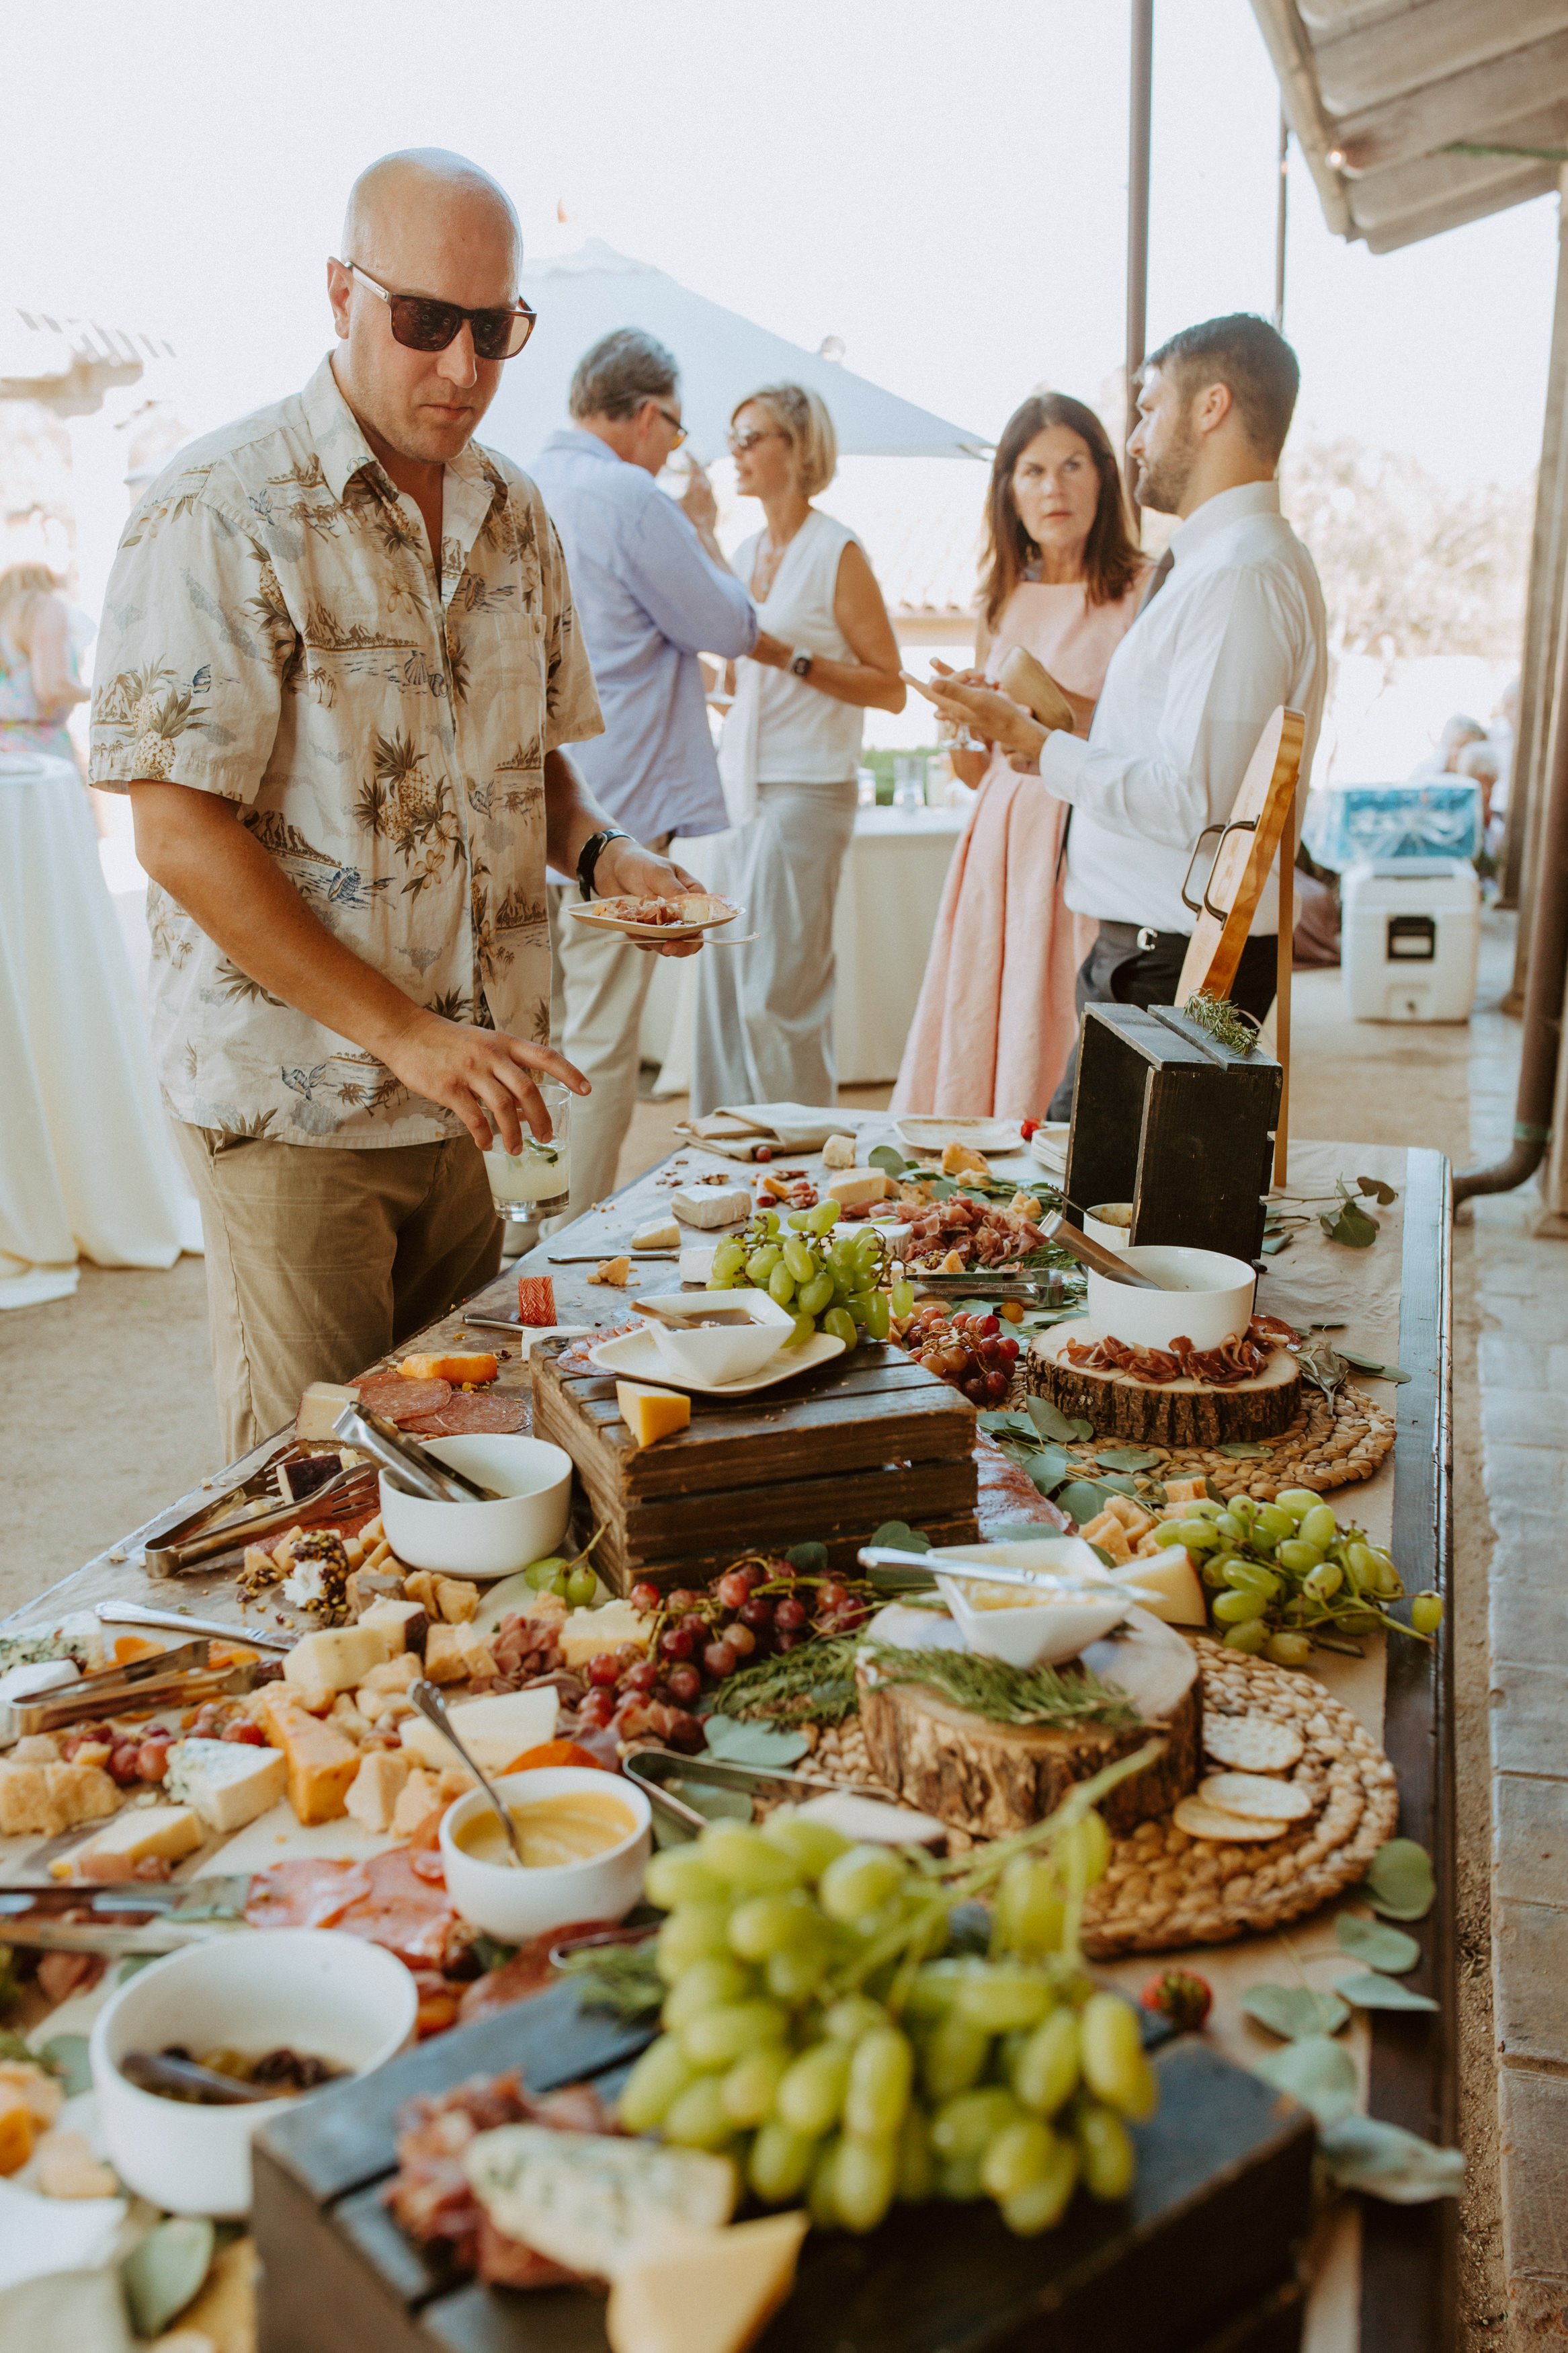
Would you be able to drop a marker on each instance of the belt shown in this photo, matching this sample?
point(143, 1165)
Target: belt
point(1139, 938)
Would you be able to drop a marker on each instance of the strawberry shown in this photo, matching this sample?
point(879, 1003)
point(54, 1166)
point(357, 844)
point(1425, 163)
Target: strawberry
point(1179, 1995)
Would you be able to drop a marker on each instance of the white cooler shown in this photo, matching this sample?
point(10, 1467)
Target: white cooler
point(1410, 933)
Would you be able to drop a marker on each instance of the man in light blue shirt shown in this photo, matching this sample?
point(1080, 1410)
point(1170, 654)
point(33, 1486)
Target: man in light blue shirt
point(652, 591)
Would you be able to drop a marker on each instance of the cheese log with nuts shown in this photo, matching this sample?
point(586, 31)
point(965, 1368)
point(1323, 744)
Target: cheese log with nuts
point(712, 1205)
point(853, 1188)
point(321, 1760)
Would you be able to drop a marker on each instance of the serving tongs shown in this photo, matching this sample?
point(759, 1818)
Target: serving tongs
point(136, 1916)
point(178, 1677)
point(405, 1462)
point(653, 1770)
point(1038, 1580)
point(179, 1554)
point(1046, 1289)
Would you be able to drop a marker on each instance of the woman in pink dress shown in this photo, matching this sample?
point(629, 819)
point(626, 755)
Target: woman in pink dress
point(995, 1022)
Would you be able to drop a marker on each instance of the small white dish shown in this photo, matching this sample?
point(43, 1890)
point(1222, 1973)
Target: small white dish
point(315, 1990)
point(633, 1356)
point(1111, 1233)
point(1048, 1145)
point(723, 1353)
point(980, 1134)
point(525, 1523)
point(513, 1904)
point(702, 910)
point(1203, 1295)
point(1036, 1633)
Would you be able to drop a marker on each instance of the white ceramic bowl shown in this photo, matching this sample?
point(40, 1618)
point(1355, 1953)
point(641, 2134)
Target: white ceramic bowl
point(1113, 1233)
point(513, 1904)
point(316, 1990)
point(525, 1523)
point(1037, 1633)
point(730, 1352)
point(1206, 1295)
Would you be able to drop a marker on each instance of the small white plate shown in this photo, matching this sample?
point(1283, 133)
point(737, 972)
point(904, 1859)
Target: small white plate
point(703, 909)
point(634, 1358)
point(1048, 1145)
point(980, 1134)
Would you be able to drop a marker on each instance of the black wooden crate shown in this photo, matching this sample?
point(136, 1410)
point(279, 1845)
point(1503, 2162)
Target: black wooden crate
point(1167, 1118)
point(1202, 2259)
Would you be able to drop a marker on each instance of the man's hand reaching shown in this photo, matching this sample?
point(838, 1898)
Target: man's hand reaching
point(482, 1075)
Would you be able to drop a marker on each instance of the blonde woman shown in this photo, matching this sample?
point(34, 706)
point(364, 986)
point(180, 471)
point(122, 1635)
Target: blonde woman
point(791, 743)
point(40, 642)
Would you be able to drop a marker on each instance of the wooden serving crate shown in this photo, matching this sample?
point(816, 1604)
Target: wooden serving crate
point(1201, 2259)
point(1167, 1118)
point(868, 1437)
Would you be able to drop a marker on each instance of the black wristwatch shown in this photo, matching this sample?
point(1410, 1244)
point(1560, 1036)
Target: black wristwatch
point(800, 664)
point(589, 855)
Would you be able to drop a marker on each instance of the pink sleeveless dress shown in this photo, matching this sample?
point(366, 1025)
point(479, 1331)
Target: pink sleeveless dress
point(996, 1021)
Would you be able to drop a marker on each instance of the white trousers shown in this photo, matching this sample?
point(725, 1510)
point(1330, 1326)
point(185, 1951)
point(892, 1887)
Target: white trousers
point(596, 1020)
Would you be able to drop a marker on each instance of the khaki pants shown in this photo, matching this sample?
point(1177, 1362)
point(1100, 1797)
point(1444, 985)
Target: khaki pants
point(596, 1019)
point(321, 1259)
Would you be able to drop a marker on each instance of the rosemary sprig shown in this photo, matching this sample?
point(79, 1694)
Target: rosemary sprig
point(814, 1683)
point(1224, 1024)
point(621, 1979)
point(1005, 1695)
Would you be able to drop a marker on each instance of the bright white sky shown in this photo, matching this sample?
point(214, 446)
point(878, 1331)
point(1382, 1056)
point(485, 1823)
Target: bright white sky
point(941, 185)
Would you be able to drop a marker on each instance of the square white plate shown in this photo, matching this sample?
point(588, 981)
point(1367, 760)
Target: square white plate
point(635, 1357)
point(980, 1134)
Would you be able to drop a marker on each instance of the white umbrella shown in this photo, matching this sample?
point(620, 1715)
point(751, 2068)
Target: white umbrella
point(721, 356)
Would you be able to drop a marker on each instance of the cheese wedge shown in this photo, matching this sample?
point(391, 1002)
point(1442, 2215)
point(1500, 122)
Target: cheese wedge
point(838, 1152)
point(320, 1407)
point(497, 1728)
point(337, 1657)
point(852, 1187)
point(615, 1272)
point(1170, 1575)
point(712, 1205)
point(403, 1624)
point(456, 1367)
point(321, 1760)
point(588, 1631)
point(665, 1234)
point(651, 1414)
point(706, 2291)
point(377, 1785)
point(962, 1159)
point(140, 1834)
point(228, 1782)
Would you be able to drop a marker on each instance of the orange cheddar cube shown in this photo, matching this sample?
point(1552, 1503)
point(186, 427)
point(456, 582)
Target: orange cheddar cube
point(321, 1760)
point(454, 1368)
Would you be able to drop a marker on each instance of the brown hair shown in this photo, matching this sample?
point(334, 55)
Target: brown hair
point(1252, 359)
point(1111, 558)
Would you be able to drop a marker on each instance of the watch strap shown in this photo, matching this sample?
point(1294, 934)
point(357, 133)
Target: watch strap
point(589, 855)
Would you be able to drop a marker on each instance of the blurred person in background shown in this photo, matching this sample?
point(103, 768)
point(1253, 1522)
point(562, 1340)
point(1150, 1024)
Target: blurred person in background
point(996, 1019)
point(825, 655)
point(1443, 760)
point(41, 642)
point(653, 591)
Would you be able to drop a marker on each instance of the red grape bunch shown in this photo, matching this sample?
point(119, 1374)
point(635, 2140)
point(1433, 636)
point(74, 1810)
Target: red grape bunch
point(966, 1349)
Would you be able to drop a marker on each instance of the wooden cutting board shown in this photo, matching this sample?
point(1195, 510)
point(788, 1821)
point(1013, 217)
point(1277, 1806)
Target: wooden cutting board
point(869, 1438)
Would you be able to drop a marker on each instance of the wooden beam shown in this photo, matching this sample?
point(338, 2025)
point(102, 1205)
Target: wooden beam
point(1284, 38)
point(1385, 199)
point(1140, 107)
point(1507, 99)
point(1441, 36)
point(1538, 679)
point(1326, 20)
point(1494, 196)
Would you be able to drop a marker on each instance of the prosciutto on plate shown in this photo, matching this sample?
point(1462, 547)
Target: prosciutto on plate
point(1241, 1359)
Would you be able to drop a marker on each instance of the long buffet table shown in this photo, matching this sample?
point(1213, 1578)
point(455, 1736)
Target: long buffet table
point(1382, 2276)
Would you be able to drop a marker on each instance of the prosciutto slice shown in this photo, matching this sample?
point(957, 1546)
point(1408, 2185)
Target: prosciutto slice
point(1241, 1359)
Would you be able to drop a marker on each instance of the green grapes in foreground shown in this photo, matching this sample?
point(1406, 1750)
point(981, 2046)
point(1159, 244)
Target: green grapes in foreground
point(817, 2033)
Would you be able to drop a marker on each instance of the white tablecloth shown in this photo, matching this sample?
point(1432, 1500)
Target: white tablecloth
point(87, 1166)
point(882, 930)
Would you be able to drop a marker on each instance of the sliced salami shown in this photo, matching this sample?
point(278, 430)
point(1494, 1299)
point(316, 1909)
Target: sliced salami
point(401, 1401)
point(464, 1416)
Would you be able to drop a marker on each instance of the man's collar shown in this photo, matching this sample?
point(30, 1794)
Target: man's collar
point(1225, 507)
point(344, 451)
point(577, 442)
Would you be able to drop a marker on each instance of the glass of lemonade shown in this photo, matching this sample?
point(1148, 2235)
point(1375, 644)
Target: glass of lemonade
point(537, 1181)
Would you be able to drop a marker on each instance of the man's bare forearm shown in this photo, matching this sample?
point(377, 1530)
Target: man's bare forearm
point(194, 847)
point(571, 814)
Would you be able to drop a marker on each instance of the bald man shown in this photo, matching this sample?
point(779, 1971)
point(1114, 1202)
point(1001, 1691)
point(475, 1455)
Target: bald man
point(337, 669)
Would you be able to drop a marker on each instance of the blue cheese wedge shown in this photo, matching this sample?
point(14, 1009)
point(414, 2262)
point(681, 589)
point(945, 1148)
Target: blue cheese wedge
point(228, 1782)
point(591, 2202)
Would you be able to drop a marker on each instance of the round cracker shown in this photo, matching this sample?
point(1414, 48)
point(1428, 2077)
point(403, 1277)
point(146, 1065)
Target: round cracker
point(1256, 1796)
point(1253, 1743)
point(1201, 1820)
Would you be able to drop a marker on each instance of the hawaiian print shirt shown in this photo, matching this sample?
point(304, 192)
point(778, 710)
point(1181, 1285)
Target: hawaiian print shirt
point(272, 632)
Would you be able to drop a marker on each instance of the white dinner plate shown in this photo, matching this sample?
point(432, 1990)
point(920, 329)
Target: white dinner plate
point(1049, 1146)
point(703, 910)
point(635, 1357)
point(980, 1134)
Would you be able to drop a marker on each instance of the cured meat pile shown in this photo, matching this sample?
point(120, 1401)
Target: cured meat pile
point(1241, 1359)
point(435, 1409)
point(650, 911)
point(397, 1899)
point(976, 1233)
point(430, 2196)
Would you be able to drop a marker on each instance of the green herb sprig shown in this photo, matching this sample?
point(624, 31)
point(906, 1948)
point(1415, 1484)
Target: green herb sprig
point(814, 1685)
point(620, 1978)
point(1002, 1693)
point(1223, 1022)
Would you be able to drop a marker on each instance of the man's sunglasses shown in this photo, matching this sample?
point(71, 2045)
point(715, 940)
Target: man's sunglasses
point(674, 424)
point(424, 324)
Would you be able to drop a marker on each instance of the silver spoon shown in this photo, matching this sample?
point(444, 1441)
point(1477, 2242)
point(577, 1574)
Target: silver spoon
point(154, 2071)
point(433, 1708)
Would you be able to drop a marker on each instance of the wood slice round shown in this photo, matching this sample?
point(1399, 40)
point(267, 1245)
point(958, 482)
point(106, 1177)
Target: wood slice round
point(1169, 1413)
point(991, 1778)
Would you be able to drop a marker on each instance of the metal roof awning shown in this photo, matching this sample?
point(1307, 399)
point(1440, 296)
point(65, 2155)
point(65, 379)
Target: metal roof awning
point(1415, 116)
point(69, 364)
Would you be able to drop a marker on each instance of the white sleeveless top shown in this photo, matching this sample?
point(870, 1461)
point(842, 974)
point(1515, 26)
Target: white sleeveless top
point(780, 729)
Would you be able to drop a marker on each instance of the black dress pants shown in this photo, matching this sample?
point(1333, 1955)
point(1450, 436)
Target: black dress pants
point(1117, 971)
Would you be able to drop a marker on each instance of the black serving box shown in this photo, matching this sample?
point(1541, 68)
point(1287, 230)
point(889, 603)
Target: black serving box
point(1167, 1118)
point(1201, 2259)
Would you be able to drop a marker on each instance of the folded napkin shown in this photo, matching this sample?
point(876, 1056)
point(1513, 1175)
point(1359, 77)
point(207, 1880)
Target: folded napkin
point(737, 1129)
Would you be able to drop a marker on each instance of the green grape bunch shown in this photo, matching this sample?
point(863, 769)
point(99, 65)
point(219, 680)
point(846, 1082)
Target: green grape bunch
point(829, 1281)
point(818, 2031)
point(1284, 1576)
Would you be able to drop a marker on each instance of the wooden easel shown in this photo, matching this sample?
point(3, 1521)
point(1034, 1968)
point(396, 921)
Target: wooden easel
point(1249, 842)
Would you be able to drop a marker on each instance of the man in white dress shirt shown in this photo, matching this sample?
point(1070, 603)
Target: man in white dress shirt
point(1232, 625)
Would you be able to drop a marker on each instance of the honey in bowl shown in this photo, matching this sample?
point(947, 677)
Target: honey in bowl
point(571, 1828)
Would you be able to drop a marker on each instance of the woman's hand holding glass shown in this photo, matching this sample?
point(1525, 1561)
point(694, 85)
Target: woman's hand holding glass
point(966, 698)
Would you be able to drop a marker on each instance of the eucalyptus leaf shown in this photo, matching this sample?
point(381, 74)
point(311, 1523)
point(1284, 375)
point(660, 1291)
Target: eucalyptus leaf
point(737, 1742)
point(1399, 1883)
point(1374, 1365)
point(941, 1189)
point(66, 2056)
point(1317, 2073)
point(1385, 2161)
point(1372, 1990)
point(1241, 1449)
point(1376, 1946)
point(1051, 1422)
point(1352, 1226)
point(1294, 2011)
point(165, 2271)
point(713, 1804)
point(1004, 1423)
point(1274, 1243)
point(810, 1560)
point(887, 1157)
point(1080, 1500)
point(898, 1535)
point(1048, 1467)
point(1377, 1190)
point(1127, 1458)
